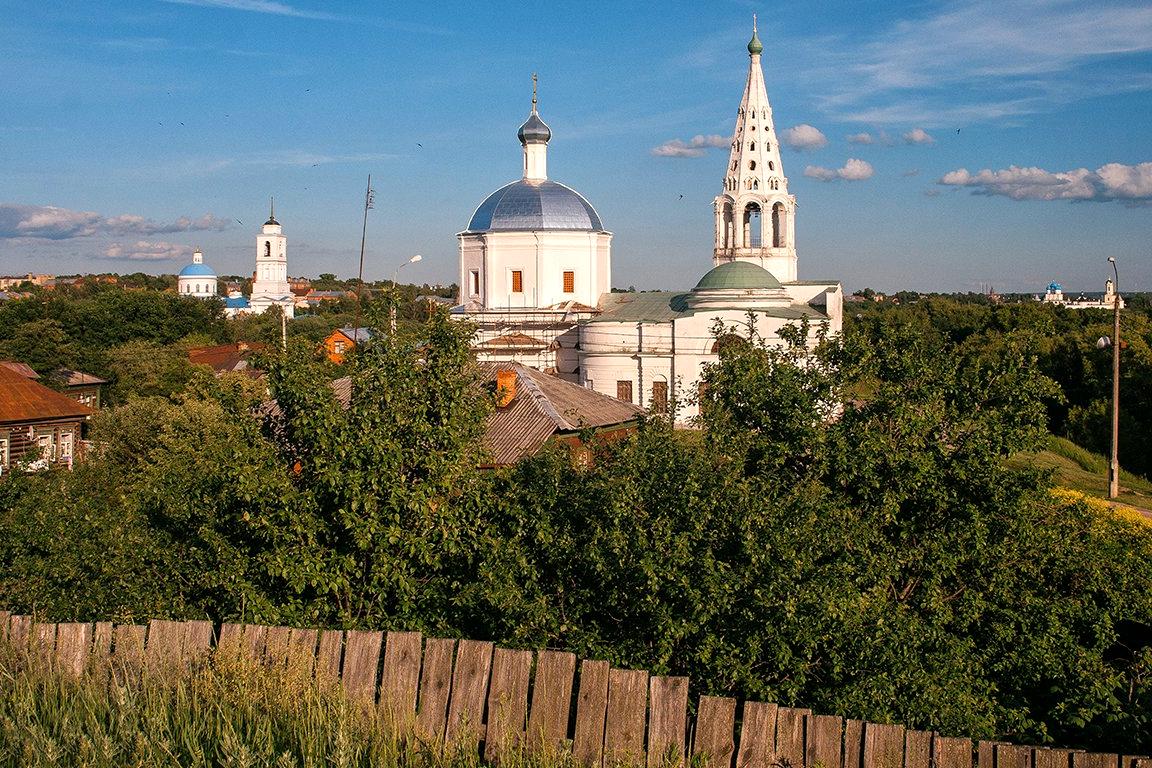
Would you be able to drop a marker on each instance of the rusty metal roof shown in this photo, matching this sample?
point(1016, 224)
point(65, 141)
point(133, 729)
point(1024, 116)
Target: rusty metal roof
point(24, 400)
point(544, 406)
point(21, 368)
point(73, 378)
point(227, 357)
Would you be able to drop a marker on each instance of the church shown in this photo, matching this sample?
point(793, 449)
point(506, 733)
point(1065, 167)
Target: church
point(269, 279)
point(536, 260)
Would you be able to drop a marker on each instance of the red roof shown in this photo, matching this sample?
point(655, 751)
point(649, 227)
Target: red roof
point(22, 400)
point(226, 357)
point(20, 368)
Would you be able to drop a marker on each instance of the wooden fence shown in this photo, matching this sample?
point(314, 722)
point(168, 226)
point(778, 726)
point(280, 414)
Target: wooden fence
point(496, 698)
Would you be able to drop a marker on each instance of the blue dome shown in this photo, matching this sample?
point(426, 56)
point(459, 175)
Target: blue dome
point(529, 205)
point(197, 270)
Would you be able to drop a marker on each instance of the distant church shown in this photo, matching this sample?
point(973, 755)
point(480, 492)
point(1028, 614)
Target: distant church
point(269, 280)
point(536, 261)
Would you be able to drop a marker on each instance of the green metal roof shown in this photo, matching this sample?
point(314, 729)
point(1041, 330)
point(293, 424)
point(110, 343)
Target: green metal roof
point(738, 274)
point(666, 306)
point(754, 45)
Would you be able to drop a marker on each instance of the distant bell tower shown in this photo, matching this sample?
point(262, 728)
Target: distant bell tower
point(270, 282)
point(755, 215)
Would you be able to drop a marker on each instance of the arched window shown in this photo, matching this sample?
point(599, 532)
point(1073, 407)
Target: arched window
point(752, 228)
point(267, 249)
point(752, 165)
point(755, 183)
point(779, 223)
point(771, 166)
point(752, 146)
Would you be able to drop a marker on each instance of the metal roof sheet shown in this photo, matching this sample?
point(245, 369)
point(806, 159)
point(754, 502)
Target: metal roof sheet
point(23, 400)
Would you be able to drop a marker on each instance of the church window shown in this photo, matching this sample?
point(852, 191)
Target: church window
point(768, 146)
point(569, 282)
point(517, 281)
point(267, 249)
point(753, 127)
point(659, 397)
point(771, 166)
point(624, 390)
point(474, 282)
point(778, 223)
point(752, 146)
point(752, 238)
point(752, 165)
point(755, 183)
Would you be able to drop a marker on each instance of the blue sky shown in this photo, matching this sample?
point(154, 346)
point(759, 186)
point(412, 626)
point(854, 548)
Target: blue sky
point(992, 142)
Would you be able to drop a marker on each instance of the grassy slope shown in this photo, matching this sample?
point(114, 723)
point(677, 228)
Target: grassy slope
point(1087, 472)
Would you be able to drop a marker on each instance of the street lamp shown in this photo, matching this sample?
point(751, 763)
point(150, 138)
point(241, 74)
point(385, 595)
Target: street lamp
point(395, 275)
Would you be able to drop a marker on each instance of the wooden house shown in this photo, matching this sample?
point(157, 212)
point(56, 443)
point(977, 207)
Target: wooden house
point(37, 420)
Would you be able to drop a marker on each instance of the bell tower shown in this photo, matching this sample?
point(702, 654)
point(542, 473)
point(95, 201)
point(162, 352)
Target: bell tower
point(755, 215)
point(270, 280)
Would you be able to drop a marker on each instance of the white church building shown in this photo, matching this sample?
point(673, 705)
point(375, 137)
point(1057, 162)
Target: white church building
point(269, 279)
point(535, 270)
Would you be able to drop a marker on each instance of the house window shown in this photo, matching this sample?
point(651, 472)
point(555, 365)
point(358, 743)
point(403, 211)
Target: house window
point(66, 445)
point(46, 447)
point(3, 452)
point(517, 281)
point(474, 282)
point(624, 391)
point(339, 347)
point(569, 282)
point(659, 397)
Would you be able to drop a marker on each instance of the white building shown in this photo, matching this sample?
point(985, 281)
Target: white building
point(270, 280)
point(534, 260)
point(649, 348)
point(1055, 295)
point(535, 274)
point(197, 279)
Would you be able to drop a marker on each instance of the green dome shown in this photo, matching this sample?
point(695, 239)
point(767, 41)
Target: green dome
point(741, 275)
point(754, 45)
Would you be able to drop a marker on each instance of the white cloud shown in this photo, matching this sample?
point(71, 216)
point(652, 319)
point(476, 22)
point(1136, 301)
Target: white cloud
point(144, 250)
point(1114, 181)
point(257, 6)
point(861, 138)
point(697, 146)
point(51, 223)
point(853, 170)
point(805, 137)
point(918, 136)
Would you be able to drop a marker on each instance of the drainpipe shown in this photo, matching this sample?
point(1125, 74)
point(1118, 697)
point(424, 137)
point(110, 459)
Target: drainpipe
point(640, 361)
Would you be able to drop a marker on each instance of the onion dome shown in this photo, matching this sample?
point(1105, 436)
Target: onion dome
point(197, 270)
point(534, 130)
point(755, 47)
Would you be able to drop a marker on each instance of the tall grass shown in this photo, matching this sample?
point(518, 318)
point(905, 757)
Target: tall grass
point(221, 710)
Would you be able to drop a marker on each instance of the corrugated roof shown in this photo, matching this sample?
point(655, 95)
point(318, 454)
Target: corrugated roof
point(651, 307)
point(23, 400)
point(226, 357)
point(545, 406)
point(78, 378)
point(21, 368)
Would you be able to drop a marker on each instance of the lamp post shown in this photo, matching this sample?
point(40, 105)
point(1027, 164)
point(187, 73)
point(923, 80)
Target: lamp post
point(1114, 464)
point(395, 275)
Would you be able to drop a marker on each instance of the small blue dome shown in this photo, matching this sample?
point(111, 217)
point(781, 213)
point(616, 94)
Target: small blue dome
point(197, 270)
point(529, 205)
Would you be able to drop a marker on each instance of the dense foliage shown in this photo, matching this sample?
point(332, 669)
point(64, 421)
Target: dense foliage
point(844, 532)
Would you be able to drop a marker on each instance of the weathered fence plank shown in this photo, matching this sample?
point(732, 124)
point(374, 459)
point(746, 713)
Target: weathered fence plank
point(128, 643)
point(953, 752)
point(469, 689)
point(757, 736)
point(507, 702)
point(276, 645)
point(20, 630)
point(435, 685)
point(5, 616)
point(667, 720)
point(165, 642)
point(714, 742)
point(624, 725)
point(231, 638)
point(551, 700)
point(1012, 756)
point(73, 646)
point(255, 640)
point(361, 664)
point(1052, 758)
point(591, 712)
point(102, 639)
point(197, 639)
point(883, 746)
point(853, 743)
point(1094, 760)
point(790, 736)
point(400, 680)
point(823, 735)
point(302, 649)
point(44, 637)
point(329, 653)
point(917, 749)
point(985, 754)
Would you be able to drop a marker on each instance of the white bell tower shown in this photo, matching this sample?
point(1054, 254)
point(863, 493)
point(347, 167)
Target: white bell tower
point(755, 216)
point(270, 281)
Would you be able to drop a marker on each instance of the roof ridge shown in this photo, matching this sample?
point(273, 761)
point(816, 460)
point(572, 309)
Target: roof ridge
point(541, 399)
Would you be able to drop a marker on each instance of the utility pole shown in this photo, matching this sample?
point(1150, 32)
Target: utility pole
point(368, 194)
